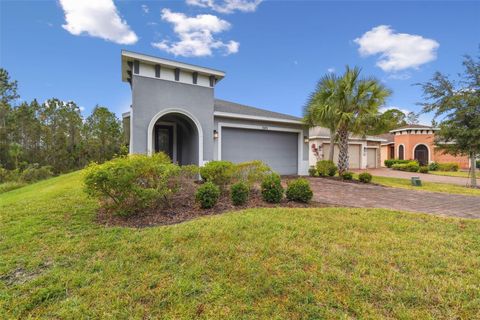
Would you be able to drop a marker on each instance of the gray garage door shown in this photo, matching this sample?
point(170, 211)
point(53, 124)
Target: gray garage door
point(277, 149)
point(353, 154)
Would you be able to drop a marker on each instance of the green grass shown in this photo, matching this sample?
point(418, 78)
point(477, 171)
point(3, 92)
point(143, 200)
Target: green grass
point(461, 174)
point(55, 262)
point(9, 186)
point(426, 186)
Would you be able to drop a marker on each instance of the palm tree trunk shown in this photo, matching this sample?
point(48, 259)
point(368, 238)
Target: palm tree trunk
point(343, 152)
point(473, 176)
point(332, 145)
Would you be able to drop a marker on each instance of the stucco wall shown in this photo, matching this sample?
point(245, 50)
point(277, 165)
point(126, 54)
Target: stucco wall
point(151, 96)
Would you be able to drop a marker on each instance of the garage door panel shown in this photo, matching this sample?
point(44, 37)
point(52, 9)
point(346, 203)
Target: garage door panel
point(371, 158)
point(353, 152)
point(277, 149)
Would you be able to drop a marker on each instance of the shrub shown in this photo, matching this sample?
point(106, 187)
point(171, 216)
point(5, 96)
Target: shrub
point(4, 175)
point(433, 166)
point(347, 175)
point(448, 166)
point(423, 169)
point(9, 186)
point(390, 162)
point(299, 190)
point(219, 172)
point(127, 184)
point(34, 173)
point(251, 172)
point(326, 168)
point(239, 193)
point(365, 177)
point(411, 166)
point(272, 190)
point(207, 195)
point(190, 171)
point(312, 172)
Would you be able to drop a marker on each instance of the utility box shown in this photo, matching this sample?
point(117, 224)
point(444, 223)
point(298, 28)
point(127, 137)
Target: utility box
point(416, 182)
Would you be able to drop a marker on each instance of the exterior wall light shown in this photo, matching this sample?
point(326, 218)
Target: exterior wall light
point(215, 134)
point(305, 139)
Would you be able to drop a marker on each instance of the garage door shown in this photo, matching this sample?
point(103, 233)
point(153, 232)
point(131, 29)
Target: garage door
point(277, 149)
point(353, 152)
point(371, 158)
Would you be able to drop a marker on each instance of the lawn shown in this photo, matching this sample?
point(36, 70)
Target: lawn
point(56, 262)
point(426, 186)
point(461, 174)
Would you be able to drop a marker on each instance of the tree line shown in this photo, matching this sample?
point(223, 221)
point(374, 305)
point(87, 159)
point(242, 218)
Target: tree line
point(54, 132)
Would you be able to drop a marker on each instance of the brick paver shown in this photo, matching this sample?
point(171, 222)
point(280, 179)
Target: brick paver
point(372, 196)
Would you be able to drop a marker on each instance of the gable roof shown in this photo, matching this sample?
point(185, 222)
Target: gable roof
point(230, 109)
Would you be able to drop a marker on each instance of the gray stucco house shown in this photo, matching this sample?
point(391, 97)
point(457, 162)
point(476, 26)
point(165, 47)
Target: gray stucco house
point(174, 110)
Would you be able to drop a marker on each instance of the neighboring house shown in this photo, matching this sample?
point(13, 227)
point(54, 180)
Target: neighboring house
point(416, 142)
point(174, 110)
point(364, 152)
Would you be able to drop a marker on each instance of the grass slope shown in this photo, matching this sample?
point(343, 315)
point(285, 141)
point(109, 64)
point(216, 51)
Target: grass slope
point(461, 174)
point(426, 186)
point(270, 263)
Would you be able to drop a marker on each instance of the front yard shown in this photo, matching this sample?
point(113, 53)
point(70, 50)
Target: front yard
point(56, 262)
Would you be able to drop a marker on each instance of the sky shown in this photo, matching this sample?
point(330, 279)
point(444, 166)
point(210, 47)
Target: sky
point(273, 52)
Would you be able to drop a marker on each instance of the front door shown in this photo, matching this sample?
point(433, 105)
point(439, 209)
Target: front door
point(421, 155)
point(164, 139)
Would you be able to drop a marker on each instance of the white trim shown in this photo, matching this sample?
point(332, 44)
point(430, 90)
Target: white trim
point(249, 117)
point(130, 145)
point(418, 144)
point(352, 138)
point(302, 165)
point(174, 126)
point(180, 82)
point(164, 112)
point(417, 129)
point(398, 151)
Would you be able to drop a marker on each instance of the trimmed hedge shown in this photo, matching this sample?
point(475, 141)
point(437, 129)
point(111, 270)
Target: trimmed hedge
point(390, 162)
point(239, 193)
point(312, 172)
point(218, 172)
point(299, 190)
point(423, 169)
point(347, 175)
point(411, 166)
point(326, 168)
point(207, 195)
point(272, 190)
point(365, 177)
point(448, 166)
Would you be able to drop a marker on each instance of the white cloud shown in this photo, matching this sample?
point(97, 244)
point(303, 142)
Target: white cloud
point(398, 51)
point(99, 18)
point(331, 70)
point(145, 8)
point(196, 35)
point(227, 6)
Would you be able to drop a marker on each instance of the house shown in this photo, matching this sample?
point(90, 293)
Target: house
point(174, 110)
point(364, 152)
point(416, 142)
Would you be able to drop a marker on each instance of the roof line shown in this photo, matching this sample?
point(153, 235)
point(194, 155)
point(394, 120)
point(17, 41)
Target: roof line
point(250, 117)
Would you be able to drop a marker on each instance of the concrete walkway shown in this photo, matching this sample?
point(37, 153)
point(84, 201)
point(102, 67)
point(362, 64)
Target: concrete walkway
point(385, 172)
point(372, 196)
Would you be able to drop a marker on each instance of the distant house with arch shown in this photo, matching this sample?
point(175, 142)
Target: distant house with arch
point(416, 142)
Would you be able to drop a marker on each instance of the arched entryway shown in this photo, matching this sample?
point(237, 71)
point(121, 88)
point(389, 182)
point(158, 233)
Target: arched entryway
point(177, 133)
point(420, 153)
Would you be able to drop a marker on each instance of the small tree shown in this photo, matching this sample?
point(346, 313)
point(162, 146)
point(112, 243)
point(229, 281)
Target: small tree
point(15, 152)
point(459, 104)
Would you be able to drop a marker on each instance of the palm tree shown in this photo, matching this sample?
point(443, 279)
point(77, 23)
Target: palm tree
point(351, 103)
point(316, 111)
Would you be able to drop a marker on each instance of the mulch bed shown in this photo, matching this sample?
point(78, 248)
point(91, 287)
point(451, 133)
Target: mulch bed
point(184, 208)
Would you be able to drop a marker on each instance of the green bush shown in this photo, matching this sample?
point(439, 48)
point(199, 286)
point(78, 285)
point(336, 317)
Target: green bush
point(433, 166)
point(390, 162)
point(312, 172)
point(4, 175)
point(12, 185)
point(423, 169)
point(219, 172)
point(347, 175)
point(448, 166)
point(207, 195)
point(190, 171)
point(326, 168)
point(272, 190)
point(411, 166)
point(365, 177)
point(251, 172)
point(128, 184)
point(34, 173)
point(239, 193)
point(299, 190)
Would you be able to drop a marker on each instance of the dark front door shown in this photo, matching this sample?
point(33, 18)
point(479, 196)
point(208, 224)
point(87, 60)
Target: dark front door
point(421, 154)
point(164, 140)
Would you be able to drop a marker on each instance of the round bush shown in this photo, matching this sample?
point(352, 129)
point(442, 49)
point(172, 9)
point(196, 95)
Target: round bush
point(347, 175)
point(219, 172)
point(272, 190)
point(299, 190)
point(239, 193)
point(423, 169)
point(326, 168)
point(312, 172)
point(365, 177)
point(207, 195)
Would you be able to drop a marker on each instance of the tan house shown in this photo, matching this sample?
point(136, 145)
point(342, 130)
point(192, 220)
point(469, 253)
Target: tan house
point(364, 152)
point(416, 142)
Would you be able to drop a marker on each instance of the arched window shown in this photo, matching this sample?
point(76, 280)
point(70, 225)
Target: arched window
point(401, 152)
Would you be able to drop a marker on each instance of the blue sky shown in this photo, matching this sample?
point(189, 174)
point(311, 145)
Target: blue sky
point(272, 51)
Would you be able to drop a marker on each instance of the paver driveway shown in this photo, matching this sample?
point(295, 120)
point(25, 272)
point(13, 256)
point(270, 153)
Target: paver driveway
point(373, 196)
